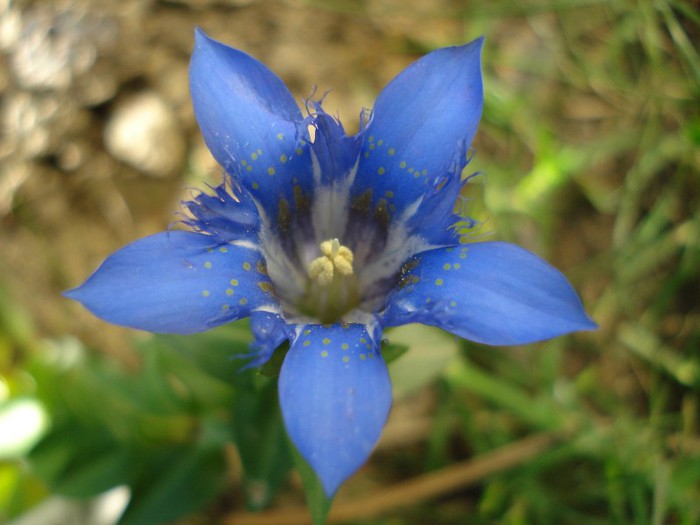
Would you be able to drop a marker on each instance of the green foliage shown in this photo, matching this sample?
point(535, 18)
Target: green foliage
point(163, 430)
point(318, 503)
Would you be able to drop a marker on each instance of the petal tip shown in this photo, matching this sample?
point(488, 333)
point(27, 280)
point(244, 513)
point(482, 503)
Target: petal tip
point(200, 36)
point(474, 47)
point(72, 293)
point(588, 324)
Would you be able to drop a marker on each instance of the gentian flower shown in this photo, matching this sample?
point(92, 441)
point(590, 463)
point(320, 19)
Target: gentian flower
point(324, 240)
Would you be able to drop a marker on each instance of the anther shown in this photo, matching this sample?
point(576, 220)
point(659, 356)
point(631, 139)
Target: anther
point(336, 257)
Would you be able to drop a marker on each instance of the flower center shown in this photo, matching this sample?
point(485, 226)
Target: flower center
point(336, 258)
point(332, 289)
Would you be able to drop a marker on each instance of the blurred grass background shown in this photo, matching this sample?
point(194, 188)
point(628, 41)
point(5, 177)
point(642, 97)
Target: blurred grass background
point(590, 153)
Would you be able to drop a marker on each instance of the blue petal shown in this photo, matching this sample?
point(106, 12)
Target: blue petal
point(335, 395)
point(334, 162)
point(494, 293)
point(422, 125)
point(335, 152)
point(270, 331)
point(176, 282)
point(250, 121)
point(224, 216)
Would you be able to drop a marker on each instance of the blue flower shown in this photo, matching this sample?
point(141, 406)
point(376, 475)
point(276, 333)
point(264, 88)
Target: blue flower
point(324, 240)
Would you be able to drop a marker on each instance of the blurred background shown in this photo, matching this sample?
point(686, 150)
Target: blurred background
point(589, 154)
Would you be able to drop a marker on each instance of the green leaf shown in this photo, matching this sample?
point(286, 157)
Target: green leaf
point(273, 366)
point(80, 462)
point(539, 411)
point(174, 482)
point(318, 503)
point(20, 490)
point(261, 440)
point(427, 352)
point(219, 353)
point(85, 480)
point(391, 351)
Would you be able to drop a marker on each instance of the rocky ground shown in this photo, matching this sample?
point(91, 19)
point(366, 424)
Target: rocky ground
point(99, 141)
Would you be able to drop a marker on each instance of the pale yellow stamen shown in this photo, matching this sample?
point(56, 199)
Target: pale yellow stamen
point(332, 289)
point(321, 270)
point(336, 257)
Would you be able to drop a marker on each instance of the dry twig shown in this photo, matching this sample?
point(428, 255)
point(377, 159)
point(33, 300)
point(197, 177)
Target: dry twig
point(421, 488)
